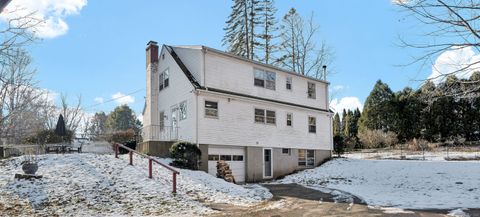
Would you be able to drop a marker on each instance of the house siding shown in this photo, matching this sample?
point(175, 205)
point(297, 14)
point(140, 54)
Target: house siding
point(220, 69)
point(235, 125)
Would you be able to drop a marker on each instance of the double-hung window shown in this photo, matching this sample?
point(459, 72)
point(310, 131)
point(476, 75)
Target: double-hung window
point(265, 116)
point(164, 79)
point(312, 124)
point(289, 119)
point(264, 79)
point(289, 83)
point(311, 90)
point(211, 109)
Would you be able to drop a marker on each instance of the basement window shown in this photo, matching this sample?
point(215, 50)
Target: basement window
point(285, 151)
point(306, 157)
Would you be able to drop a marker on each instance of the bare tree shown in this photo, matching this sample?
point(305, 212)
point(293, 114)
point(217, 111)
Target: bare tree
point(19, 97)
point(301, 52)
point(73, 115)
point(452, 26)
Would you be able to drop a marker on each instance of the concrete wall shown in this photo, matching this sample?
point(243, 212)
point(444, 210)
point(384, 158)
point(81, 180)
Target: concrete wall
point(155, 148)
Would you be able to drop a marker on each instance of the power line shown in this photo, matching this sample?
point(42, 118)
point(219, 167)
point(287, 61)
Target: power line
point(115, 98)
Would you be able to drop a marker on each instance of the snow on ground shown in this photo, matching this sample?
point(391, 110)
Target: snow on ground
point(99, 185)
point(402, 184)
point(430, 155)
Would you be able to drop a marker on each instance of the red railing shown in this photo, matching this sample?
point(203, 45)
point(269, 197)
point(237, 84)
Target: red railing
point(116, 147)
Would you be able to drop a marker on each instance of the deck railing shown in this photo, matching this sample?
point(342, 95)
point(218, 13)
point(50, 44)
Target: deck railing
point(159, 133)
point(117, 146)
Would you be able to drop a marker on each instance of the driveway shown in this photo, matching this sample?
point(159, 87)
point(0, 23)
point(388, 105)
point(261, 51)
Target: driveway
point(296, 200)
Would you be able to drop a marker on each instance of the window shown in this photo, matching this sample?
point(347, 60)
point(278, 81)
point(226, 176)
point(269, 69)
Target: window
point(214, 157)
point(162, 120)
point(311, 90)
point(226, 157)
point(285, 151)
point(312, 124)
point(264, 79)
point(211, 109)
point(289, 83)
point(265, 116)
point(183, 110)
point(289, 119)
point(259, 116)
point(237, 157)
point(164, 80)
point(271, 117)
point(306, 157)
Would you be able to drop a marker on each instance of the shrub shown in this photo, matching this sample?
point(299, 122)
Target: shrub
point(122, 136)
point(377, 138)
point(338, 144)
point(420, 145)
point(48, 137)
point(186, 155)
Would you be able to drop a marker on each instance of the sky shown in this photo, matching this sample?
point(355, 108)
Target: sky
point(96, 49)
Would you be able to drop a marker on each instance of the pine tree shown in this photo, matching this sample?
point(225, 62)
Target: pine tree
point(336, 125)
point(122, 118)
point(344, 119)
point(240, 34)
point(378, 112)
point(269, 30)
point(346, 124)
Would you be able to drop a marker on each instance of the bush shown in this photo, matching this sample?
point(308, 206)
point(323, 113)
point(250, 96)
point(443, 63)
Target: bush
point(122, 137)
point(48, 137)
point(338, 144)
point(420, 144)
point(377, 138)
point(186, 155)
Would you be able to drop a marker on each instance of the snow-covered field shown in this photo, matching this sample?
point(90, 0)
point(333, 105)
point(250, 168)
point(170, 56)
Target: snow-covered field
point(403, 184)
point(100, 185)
point(430, 155)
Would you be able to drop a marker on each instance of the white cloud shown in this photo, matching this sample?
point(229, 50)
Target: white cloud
point(140, 117)
point(452, 61)
point(122, 99)
point(338, 87)
point(98, 99)
point(51, 12)
point(349, 102)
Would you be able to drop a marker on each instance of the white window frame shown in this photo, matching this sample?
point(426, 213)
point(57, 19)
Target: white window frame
point(308, 123)
point(287, 82)
point(289, 151)
point(162, 77)
point(205, 109)
point(264, 116)
point(306, 160)
point(264, 76)
point(271, 163)
point(291, 119)
point(183, 113)
point(314, 93)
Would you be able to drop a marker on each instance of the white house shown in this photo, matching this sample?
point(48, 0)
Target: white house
point(264, 121)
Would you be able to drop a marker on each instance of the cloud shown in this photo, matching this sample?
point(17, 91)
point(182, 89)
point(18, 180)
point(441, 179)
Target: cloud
point(338, 87)
point(349, 102)
point(122, 99)
point(140, 117)
point(452, 61)
point(98, 99)
point(51, 12)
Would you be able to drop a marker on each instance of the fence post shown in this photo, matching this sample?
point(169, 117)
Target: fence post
point(150, 168)
point(174, 182)
point(115, 147)
point(131, 157)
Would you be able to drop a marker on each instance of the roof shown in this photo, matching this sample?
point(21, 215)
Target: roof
point(213, 50)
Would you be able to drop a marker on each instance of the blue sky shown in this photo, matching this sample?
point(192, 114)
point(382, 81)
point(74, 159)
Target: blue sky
point(101, 52)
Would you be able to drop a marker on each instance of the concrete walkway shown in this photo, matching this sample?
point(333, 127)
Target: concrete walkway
point(296, 200)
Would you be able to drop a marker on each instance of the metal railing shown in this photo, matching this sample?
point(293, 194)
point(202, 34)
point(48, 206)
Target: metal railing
point(117, 146)
point(160, 133)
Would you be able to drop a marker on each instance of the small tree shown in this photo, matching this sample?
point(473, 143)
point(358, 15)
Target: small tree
point(338, 145)
point(186, 155)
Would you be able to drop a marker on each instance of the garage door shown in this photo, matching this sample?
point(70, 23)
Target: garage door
point(235, 157)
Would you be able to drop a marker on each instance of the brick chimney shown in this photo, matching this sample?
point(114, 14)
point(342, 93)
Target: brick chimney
point(152, 52)
point(150, 117)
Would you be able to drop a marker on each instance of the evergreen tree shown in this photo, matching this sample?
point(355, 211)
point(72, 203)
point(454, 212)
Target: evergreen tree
point(240, 34)
point(97, 125)
point(344, 119)
point(408, 109)
point(378, 112)
point(122, 118)
point(336, 124)
point(269, 30)
point(346, 123)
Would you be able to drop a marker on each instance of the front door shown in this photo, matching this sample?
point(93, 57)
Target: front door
point(267, 163)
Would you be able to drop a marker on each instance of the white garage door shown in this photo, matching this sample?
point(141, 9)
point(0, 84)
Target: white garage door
point(235, 157)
